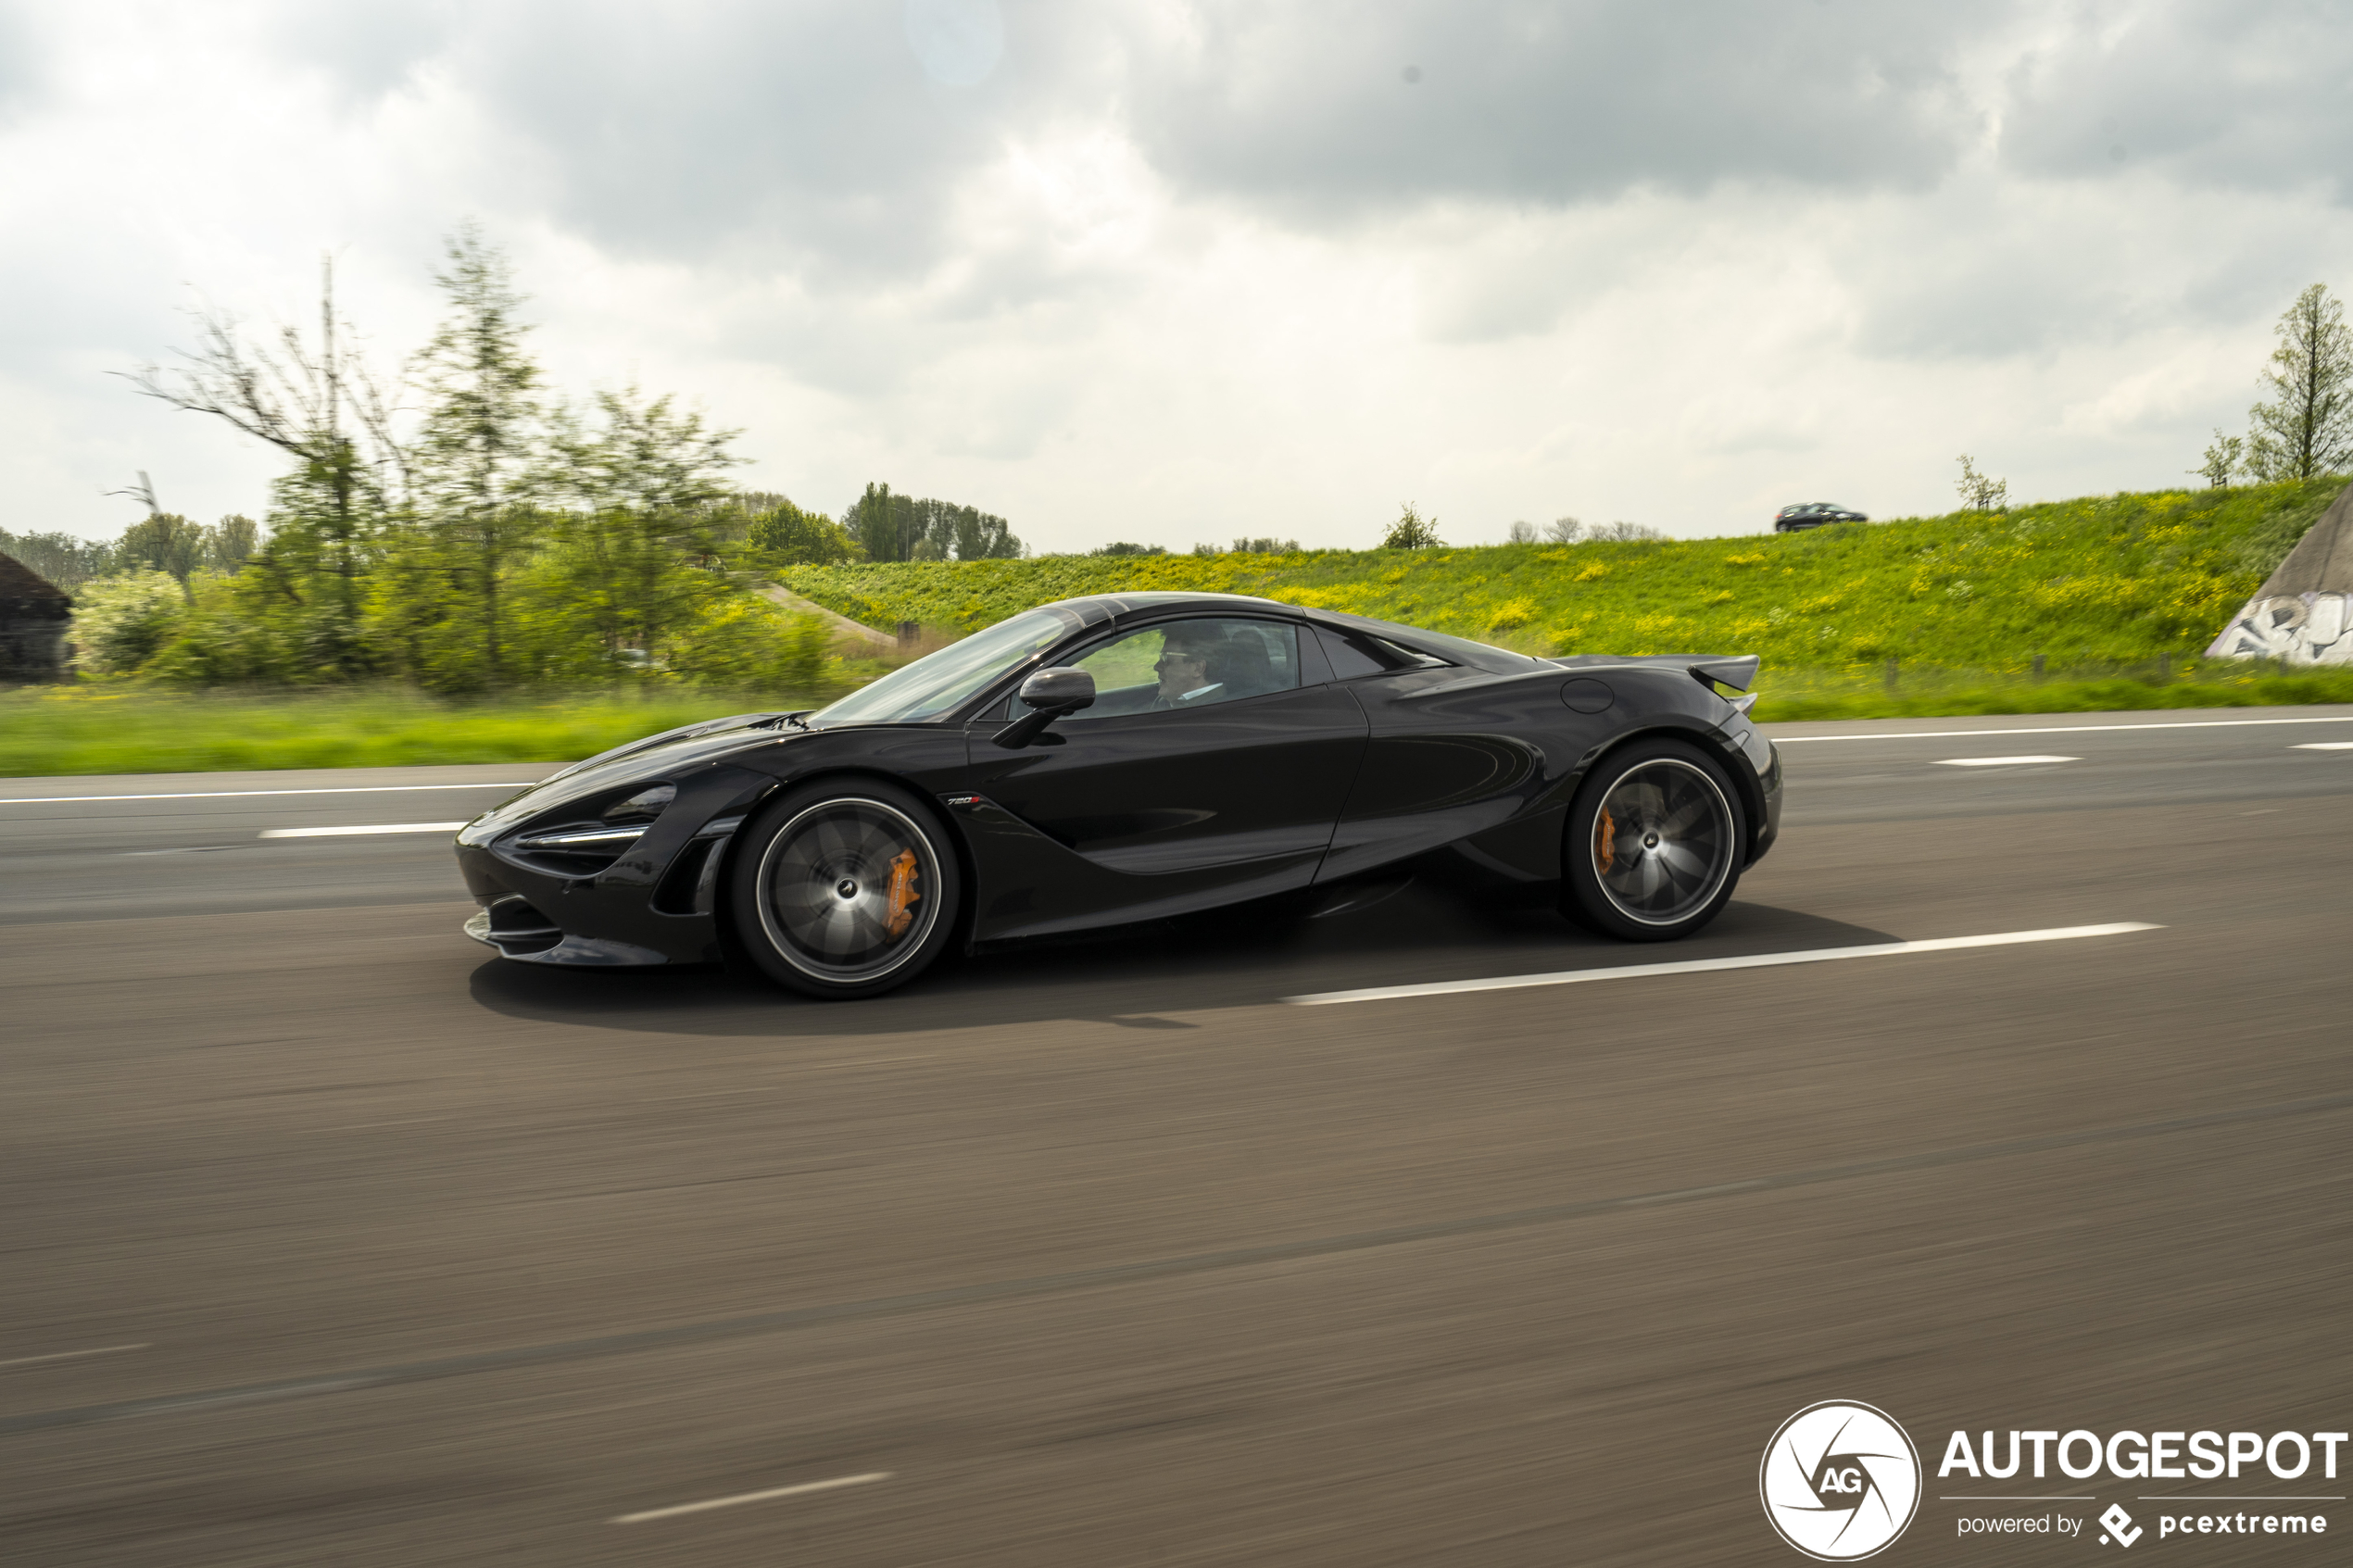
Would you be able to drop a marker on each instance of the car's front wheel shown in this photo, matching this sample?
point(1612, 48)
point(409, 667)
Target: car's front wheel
point(1655, 843)
point(845, 888)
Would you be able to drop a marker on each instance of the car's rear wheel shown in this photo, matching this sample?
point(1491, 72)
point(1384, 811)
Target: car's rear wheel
point(845, 888)
point(1655, 843)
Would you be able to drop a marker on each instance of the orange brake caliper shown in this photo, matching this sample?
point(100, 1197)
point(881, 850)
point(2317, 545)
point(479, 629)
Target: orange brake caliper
point(902, 892)
point(1606, 846)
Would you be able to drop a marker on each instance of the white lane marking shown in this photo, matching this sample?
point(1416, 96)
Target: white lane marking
point(2067, 729)
point(2324, 746)
point(192, 849)
point(1703, 966)
point(75, 1355)
point(2000, 761)
point(750, 1496)
point(245, 794)
point(372, 827)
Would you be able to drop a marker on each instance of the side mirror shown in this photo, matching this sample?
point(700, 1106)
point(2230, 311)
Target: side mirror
point(1048, 694)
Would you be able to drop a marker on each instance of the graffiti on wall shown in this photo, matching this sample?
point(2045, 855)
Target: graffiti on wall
point(2299, 628)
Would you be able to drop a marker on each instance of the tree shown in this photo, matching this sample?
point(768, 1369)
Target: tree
point(2223, 459)
point(231, 541)
point(1564, 531)
point(1976, 490)
point(319, 406)
point(1265, 547)
point(2306, 429)
point(1127, 550)
point(1412, 532)
point(893, 527)
point(164, 542)
point(634, 557)
point(1622, 531)
point(1521, 533)
point(783, 534)
point(63, 559)
point(477, 458)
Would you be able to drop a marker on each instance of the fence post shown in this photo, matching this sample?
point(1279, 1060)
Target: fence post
point(2038, 666)
point(908, 631)
point(2164, 666)
point(1891, 674)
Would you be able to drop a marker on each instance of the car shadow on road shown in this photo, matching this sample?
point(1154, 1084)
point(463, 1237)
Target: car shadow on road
point(1134, 977)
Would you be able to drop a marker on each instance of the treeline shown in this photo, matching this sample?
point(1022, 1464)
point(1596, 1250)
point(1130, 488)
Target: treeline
point(889, 527)
point(166, 541)
point(465, 530)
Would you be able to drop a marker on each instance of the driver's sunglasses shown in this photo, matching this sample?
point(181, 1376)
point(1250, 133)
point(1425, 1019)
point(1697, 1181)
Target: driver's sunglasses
point(1169, 658)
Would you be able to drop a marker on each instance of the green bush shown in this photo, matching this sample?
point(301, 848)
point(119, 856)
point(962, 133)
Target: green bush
point(119, 623)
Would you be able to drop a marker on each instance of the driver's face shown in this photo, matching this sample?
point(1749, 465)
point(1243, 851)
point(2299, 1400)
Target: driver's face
point(1180, 672)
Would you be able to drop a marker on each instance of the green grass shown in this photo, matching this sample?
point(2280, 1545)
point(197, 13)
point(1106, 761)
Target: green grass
point(2101, 581)
point(87, 729)
point(2104, 587)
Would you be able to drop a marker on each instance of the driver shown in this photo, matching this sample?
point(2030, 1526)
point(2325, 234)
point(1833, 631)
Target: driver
point(1183, 668)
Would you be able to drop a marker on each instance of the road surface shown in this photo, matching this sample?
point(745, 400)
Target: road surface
point(332, 1238)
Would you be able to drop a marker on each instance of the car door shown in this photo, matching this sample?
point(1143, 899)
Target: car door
point(1228, 779)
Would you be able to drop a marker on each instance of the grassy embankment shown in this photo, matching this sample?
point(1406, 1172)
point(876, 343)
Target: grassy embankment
point(2118, 595)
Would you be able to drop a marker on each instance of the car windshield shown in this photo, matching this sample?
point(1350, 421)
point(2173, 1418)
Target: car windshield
point(938, 682)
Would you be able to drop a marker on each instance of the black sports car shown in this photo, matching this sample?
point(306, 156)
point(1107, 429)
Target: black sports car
point(1797, 518)
point(1131, 758)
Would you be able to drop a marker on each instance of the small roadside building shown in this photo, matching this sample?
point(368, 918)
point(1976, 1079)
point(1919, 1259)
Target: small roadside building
point(34, 616)
point(2304, 611)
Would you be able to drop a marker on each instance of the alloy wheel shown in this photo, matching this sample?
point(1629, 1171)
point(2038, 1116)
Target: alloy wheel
point(1663, 841)
point(849, 889)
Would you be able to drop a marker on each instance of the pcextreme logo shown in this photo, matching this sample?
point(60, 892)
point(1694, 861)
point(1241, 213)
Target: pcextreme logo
point(1840, 1480)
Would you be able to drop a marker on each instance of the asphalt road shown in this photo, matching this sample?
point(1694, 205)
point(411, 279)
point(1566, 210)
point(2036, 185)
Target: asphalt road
point(330, 1239)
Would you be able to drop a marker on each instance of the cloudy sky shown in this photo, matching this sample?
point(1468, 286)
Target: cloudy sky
point(1179, 271)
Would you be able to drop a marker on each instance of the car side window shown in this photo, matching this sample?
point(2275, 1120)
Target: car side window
point(1185, 664)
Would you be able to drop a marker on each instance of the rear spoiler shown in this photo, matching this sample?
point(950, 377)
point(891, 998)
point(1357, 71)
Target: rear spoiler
point(1737, 673)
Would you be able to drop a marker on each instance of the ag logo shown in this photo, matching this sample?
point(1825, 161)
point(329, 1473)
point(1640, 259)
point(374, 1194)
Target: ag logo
point(1840, 1480)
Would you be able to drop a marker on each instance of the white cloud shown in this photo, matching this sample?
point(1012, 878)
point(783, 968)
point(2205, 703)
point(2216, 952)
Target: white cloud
point(1185, 272)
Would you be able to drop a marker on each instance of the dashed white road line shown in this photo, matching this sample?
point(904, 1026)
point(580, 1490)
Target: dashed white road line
point(371, 827)
point(2324, 746)
point(2062, 730)
point(1703, 966)
point(74, 1355)
point(243, 794)
point(2000, 761)
point(708, 1503)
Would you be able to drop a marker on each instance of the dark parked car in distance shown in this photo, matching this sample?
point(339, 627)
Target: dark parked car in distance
point(1800, 515)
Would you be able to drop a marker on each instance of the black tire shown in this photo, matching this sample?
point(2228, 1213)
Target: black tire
point(1655, 843)
point(824, 875)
